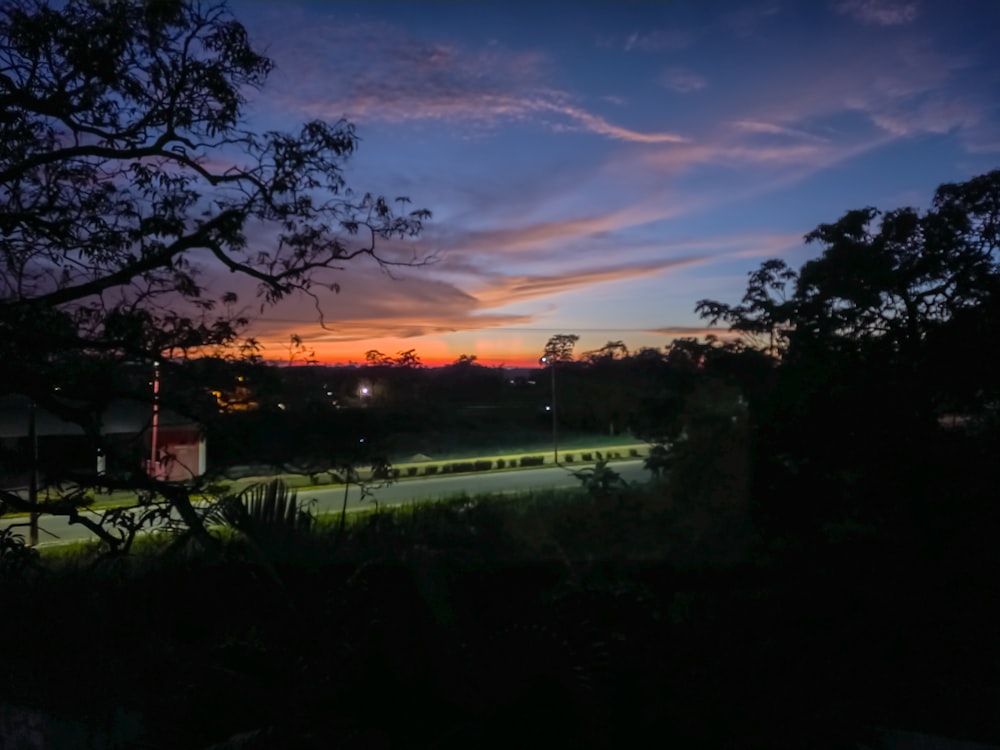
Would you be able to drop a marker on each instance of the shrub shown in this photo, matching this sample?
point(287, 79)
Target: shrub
point(633, 452)
point(430, 470)
point(588, 456)
point(411, 471)
point(568, 458)
point(501, 463)
point(483, 465)
point(532, 460)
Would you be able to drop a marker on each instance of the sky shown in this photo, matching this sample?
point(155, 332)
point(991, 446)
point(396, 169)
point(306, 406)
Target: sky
point(597, 168)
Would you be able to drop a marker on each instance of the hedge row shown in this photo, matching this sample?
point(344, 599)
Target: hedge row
point(461, 467)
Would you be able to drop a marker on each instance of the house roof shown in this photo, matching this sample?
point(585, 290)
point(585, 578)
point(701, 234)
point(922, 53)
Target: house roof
point(122, 417)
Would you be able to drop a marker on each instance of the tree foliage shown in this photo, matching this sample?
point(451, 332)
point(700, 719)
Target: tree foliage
point(128, 174)
point(878, 338)
point(559, 348)
point(131, 182)
point(884, 281)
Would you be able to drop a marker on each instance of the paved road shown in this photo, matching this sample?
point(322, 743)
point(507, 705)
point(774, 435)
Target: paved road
point(56, 530)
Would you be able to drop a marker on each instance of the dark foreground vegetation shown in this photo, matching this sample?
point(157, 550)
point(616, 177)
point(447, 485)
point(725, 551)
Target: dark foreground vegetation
point(573, 620)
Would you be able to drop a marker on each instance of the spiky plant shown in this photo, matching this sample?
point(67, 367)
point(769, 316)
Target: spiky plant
point(267, 514)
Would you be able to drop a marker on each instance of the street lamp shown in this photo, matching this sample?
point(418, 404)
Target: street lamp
point(551, 362)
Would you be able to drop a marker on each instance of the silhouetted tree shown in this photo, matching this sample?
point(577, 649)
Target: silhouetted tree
point(123, 153)
point(559, 348)
point(765, 314)
point(850, 418)
point(297, 350)
point(610, 351)
point(374, 358)
point(409, 359)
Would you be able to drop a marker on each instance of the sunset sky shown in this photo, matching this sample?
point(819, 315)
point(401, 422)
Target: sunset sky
point(597, 168)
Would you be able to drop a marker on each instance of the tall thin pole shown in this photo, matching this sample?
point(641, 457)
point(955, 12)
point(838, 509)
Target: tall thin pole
point(555, 428)
point(33, 475)
point(153, 465)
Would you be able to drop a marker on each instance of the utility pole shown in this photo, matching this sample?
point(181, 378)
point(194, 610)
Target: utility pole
point(154, 466)
point(33, 474)
point(551, 361)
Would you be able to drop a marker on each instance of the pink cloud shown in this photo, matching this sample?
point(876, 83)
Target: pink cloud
point(734, 154)
point(543, 234)
point(506, 290)
point(936, 114)
point(600, 126)
point(770, 128)
point(370, 305)
point(901, 89)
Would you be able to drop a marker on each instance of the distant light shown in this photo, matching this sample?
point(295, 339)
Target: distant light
point(329, 393)
point(281, 406)
point(361, 440)
point(364, 390)
point(548, 408)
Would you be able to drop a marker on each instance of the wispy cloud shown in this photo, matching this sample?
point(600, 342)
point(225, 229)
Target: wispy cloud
point(880, 12)
point(506, 290)
point(485, 108)
point(372, 306)
point(396, 78)
point(734, 154)
point(770, 128)
point(936, 114)
point(532, 236)
point(906, 88)
point(599, 125)
point(683, 81)
point(655, 41)
point(418, 302)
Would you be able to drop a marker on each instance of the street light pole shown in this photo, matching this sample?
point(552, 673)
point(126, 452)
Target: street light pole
point(153, 462)
point(555, 427)
point(33, 476)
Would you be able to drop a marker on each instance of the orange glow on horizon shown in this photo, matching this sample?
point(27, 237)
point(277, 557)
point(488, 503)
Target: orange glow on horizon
point(518, 362)
point(432, 351)
point(490, 347)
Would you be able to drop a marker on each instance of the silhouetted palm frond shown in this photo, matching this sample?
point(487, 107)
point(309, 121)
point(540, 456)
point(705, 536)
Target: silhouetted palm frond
point(265, 513)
